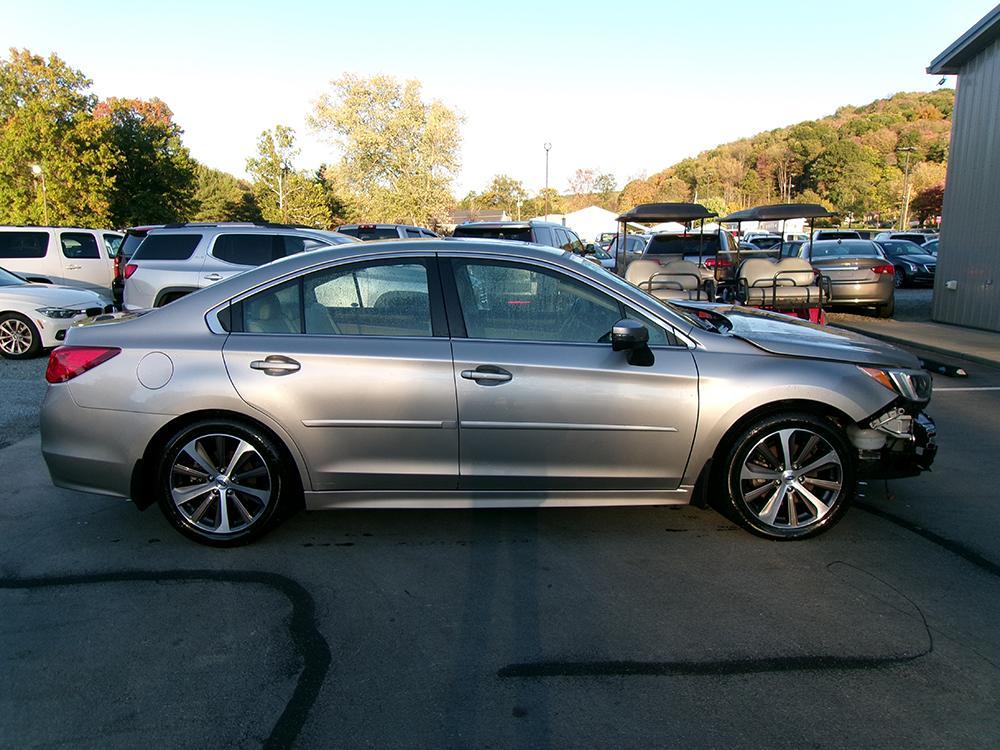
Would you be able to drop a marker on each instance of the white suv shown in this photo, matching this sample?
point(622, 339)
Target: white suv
point(179, 259)
point(69, 256)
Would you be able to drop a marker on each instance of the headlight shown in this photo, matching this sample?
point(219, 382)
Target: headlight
point(60, 313)
point(913, 385)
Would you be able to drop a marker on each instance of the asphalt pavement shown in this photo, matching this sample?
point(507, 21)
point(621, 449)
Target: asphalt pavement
point(643, 627)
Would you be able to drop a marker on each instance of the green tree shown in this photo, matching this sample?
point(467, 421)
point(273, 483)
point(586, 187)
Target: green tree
point(283, 194)
point(154, 174)
point(221, 197)
point(46, 119)
point(504, 193)
point(400, 153)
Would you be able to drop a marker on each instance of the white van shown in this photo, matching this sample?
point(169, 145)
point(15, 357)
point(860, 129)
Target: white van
point(82, 258)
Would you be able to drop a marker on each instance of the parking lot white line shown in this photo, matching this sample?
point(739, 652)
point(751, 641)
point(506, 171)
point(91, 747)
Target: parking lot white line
point(971, 388)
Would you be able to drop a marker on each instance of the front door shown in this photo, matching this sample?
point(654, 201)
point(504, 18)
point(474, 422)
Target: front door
point(355, 363)
point(543, 401)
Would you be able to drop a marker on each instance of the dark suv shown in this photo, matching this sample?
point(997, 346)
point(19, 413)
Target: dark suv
point(537, 232)
point(366, 232)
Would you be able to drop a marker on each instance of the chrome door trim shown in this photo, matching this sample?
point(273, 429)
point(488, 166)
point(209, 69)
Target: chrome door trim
point(475, 425)
point(392, 423)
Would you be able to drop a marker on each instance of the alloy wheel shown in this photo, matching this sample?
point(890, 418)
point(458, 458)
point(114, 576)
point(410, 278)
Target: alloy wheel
point(220, 484)
point(899, 279)
point(791, 478)
point(15, 336)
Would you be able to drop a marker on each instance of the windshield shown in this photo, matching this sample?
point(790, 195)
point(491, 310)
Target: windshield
point(765, 243)
point(9, 279)
point(683, 244)
point(521, 234)
point(843, 248)
point(833, 234)
point(901, 247)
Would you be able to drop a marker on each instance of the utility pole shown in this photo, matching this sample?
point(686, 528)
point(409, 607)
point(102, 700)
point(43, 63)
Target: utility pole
point(903, 214)
point(36, 169)
point(547, 147)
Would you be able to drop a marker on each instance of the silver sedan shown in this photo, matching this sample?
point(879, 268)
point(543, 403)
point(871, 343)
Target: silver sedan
point(472, 374)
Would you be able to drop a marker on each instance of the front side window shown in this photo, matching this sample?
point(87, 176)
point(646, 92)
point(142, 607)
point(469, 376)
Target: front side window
point(523, 303)
point(23, 244)
point(382, 299)
point(79, 246)
point(658, 335)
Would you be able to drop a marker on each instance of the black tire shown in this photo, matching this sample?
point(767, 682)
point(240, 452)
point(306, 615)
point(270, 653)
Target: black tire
point(887, 310)
point(179, 471)
point(809, 521)
point(899, 278)
point(19, 338)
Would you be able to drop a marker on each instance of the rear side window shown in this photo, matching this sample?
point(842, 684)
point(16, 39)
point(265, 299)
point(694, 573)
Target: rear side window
point(413, 233)
point(23, 244)
point(112, 244)
point(79, 245)
point(543, 236)
point(167, 247)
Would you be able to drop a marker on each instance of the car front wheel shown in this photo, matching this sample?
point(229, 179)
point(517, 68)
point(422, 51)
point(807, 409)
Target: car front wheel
point(19, 339)
point(222, 483)
point(900, 278)
point(790, 476)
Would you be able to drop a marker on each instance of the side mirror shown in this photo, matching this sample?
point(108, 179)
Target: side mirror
point(632, 337)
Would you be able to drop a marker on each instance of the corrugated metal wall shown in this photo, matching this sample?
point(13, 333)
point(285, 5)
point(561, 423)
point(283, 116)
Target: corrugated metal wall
point(970, 230)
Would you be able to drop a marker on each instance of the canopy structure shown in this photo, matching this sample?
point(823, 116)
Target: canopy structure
point(656, 213)
point(778, 212)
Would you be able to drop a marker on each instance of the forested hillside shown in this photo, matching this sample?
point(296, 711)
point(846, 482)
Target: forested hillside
point(852, 162)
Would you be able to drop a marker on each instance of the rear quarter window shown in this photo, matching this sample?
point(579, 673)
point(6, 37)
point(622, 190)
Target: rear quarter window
point(23, 244)
point(167, 247)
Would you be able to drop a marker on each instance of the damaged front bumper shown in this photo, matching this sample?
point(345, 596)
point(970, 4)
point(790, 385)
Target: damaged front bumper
point(895, 444)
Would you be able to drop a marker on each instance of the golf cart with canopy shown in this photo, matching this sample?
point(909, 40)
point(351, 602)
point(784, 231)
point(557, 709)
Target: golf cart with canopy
point(673, 265)
point(788, 285)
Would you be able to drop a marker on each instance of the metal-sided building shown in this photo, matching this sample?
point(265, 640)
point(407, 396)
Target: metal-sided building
point(967, 284)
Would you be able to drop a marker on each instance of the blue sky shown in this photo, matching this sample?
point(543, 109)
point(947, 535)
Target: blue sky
point(627, 95)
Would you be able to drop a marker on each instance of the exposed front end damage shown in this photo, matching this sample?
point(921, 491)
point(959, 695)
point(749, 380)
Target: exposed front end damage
point(895, 443)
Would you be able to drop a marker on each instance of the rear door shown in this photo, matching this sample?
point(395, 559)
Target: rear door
point(543, 401)
point(85, 260)
point(354, 361)
point(235, 252)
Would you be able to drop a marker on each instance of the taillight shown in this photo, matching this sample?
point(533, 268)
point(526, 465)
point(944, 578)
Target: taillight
point(118, 266)
point(66, 362)
point(887, 268)
point(130, 268)
point(720, 262)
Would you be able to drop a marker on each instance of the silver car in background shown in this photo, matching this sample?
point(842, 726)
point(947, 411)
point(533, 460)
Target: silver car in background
point(472, 374)
point(860, 274)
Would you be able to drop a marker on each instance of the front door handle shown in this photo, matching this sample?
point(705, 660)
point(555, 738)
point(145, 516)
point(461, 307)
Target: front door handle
point(213, 277)
point(487, 375)
point(276, 365)
point(73, 267)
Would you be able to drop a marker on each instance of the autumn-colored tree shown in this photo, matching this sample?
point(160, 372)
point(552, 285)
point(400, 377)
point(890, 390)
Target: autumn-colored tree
point(928, 202)
point(154, 174)
point(400, 153)
point(47, 122)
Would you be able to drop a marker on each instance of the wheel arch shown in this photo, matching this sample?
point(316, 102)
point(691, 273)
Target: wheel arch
point(716, 457)
point(143, 474)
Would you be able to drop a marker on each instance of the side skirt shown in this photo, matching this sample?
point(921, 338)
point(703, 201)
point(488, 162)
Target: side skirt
point(504, 499)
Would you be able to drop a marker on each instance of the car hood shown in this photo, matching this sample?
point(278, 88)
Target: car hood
point(50, 295)
point(784, 335)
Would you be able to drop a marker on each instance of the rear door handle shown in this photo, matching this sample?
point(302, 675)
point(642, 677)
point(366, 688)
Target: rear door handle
point(73, 267)
point(213, 277)
point(487, 375)
point(276, 365)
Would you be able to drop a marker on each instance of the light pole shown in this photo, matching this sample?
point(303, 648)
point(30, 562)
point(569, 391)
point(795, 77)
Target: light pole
point(547, 147)
point(36, 169)
point(903, 214)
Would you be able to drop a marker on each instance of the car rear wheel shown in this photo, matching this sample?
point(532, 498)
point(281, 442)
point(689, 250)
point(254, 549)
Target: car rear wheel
point(887, 310)
point(790, 476)
point(19, 338)
point(222, 483)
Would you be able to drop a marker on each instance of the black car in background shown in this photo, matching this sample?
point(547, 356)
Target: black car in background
point(133, 237)
point(913, 264)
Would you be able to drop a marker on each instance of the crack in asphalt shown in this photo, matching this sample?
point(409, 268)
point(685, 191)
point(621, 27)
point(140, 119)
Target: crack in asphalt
point(306, 637)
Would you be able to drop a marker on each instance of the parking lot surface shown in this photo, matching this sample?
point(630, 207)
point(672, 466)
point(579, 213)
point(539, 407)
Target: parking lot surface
point(644, 627)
